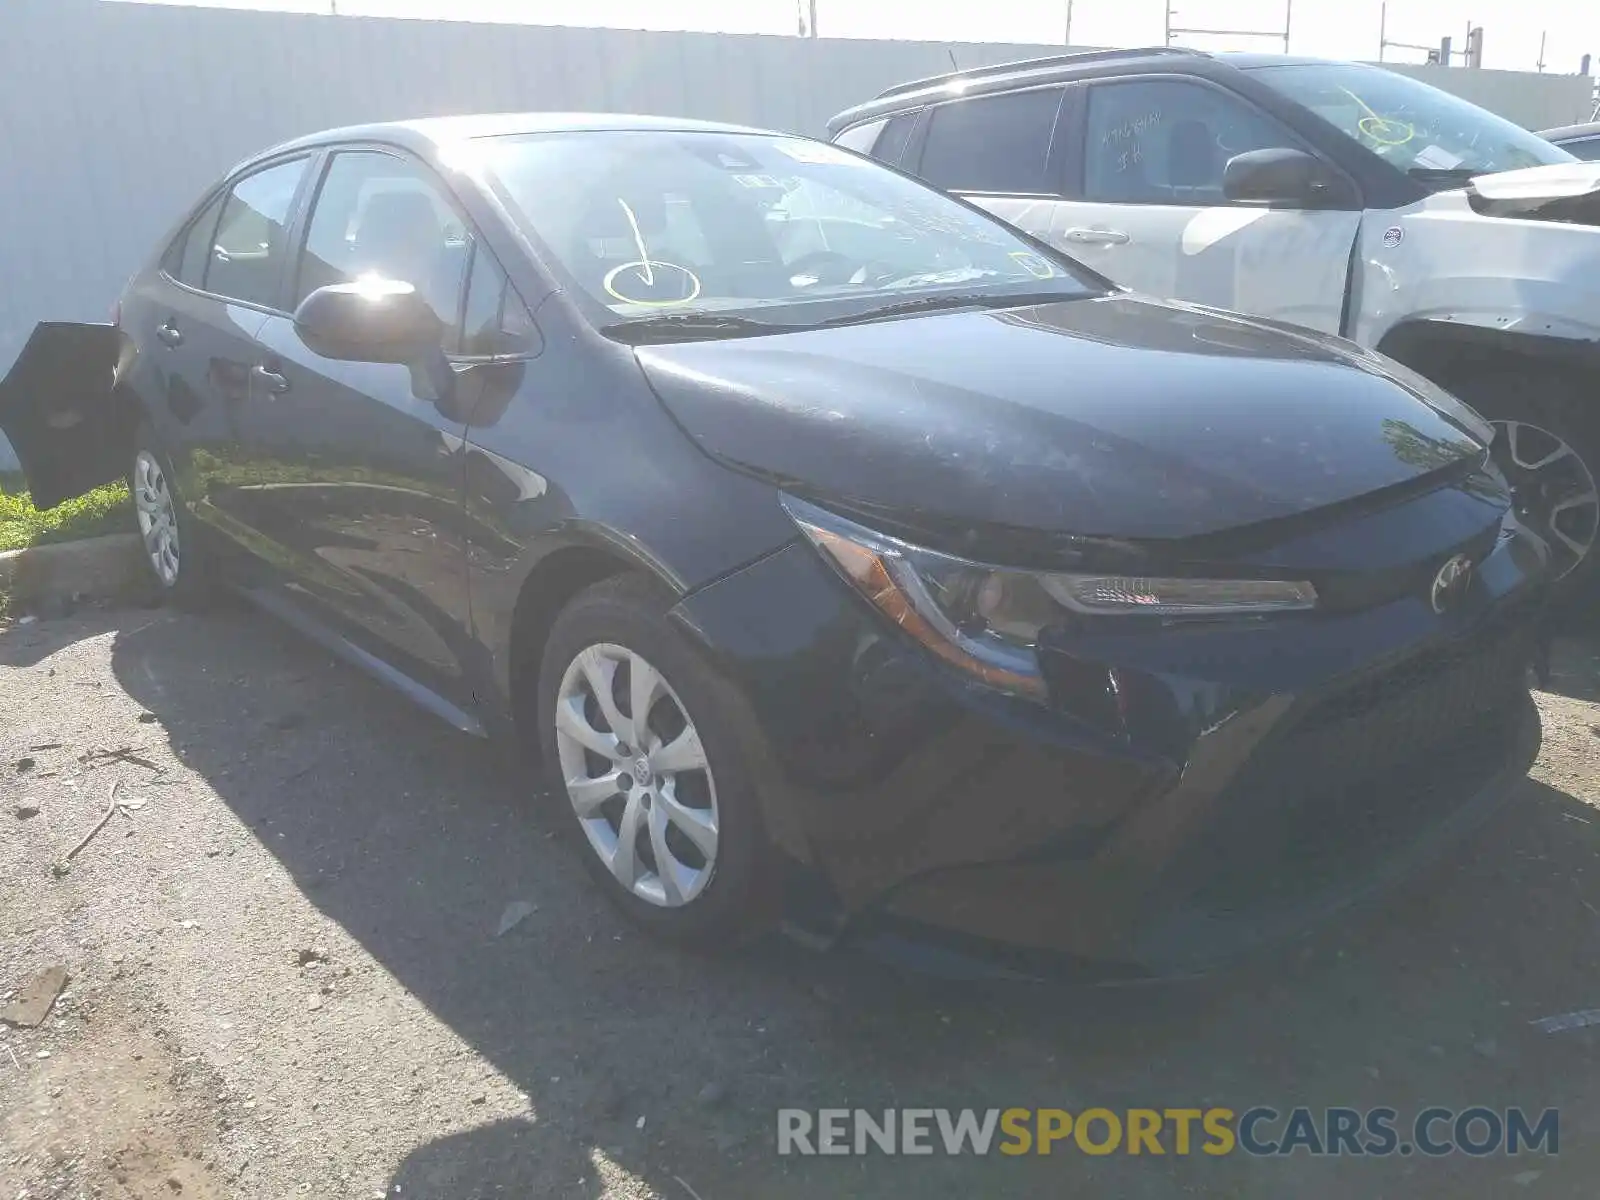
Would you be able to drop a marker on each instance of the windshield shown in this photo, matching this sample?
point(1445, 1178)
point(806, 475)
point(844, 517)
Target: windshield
point(773, 229)
point(1417, 128)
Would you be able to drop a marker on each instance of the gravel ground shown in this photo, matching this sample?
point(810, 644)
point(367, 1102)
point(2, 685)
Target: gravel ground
point(287, 978)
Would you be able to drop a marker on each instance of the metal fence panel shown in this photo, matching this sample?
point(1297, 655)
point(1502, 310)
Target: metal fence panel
point(114, 116)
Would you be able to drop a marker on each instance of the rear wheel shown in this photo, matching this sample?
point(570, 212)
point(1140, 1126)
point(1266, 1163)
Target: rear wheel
point(645, 772)
point(173, 554)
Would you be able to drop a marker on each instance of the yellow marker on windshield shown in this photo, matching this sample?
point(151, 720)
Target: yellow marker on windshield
point(1033, 264)
point(1381, 129)
point(638, 240)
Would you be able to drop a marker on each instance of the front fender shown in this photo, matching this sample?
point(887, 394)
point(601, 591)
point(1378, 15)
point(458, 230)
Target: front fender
point(1440, 262)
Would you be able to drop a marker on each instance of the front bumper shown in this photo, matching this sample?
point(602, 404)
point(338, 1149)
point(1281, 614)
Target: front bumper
point(1263, 775)
point(964, 922)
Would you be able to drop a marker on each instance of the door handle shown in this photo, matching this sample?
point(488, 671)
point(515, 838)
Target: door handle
point(169, 335)
point(275, 382)
point(1095, 237)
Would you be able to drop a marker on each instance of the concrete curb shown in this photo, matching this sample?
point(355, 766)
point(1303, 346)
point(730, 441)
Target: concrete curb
point(63, 573)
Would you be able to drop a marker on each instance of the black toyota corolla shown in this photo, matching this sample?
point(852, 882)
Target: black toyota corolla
point(839, 554)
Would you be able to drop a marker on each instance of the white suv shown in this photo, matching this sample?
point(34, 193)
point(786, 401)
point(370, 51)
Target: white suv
point(1332, 195)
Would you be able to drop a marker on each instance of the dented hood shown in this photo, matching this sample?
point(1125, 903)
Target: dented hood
point(1556, 192)
point(1117, 417)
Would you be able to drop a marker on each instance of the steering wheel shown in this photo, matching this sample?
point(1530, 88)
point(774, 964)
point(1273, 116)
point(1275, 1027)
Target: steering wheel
point(873, 272)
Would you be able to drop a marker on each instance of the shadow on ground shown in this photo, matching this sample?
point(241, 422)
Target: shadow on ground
point(1575, 667)
point(410, 837)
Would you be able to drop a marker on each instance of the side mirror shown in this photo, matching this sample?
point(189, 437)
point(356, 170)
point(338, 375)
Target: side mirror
point(1280, 176)
point(380, 321)
point(369, 320)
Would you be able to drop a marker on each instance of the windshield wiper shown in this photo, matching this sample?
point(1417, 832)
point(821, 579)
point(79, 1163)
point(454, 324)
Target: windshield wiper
point(1444, 174)
point(952, 300)
point(680, 327)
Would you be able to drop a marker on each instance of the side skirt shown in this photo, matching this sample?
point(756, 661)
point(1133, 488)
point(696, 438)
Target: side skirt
point(422, 696)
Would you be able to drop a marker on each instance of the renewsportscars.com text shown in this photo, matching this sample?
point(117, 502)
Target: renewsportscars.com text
point(1259, 1131)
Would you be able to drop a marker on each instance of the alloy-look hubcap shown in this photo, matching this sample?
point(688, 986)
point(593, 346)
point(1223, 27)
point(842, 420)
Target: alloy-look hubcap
point(1554, 491)
point(637, 775)
point(158, 521)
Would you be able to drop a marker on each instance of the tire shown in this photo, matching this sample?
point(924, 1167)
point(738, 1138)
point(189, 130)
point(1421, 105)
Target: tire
point(174, 557)
point(1533, 417)
point(716, 893)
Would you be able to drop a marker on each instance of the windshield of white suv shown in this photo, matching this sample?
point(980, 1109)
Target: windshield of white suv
point(1427, 133)
point(716, 232)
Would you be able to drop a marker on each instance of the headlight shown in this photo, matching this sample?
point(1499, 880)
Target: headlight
point(986, 620)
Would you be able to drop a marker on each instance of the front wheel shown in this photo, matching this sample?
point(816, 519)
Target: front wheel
point(172, 552)
point(1552, 465)
point(645, 770)
point(1547, 443)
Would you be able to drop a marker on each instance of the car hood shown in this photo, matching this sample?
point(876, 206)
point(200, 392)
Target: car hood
point(1568, 192)
point(1114, 417)
point(1549, 182)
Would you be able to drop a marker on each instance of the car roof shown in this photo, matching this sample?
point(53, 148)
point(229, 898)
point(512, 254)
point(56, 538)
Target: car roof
point(427, 134)
point(1248, 60)
point(1567, 132)
point(1057, 68)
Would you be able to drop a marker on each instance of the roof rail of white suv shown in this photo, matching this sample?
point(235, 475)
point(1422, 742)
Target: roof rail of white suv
point(1025, 65)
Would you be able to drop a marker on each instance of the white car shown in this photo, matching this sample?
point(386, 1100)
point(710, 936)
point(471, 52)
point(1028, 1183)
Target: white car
point(1332, 195)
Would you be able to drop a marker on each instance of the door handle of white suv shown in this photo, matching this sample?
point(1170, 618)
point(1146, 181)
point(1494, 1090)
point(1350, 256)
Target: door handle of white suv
point(1094, 237)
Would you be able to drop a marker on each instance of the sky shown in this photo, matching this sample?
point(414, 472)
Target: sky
point(1329, 28)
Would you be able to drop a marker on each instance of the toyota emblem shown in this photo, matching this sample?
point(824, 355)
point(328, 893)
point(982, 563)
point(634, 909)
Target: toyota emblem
point(1451, 583)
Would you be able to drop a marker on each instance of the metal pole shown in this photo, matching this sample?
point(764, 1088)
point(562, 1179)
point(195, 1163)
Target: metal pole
point(1542, 35)
point(1068, 41)
point(813, 11)
point(1167, 41)
point(1288, 22)
point(1383, 29)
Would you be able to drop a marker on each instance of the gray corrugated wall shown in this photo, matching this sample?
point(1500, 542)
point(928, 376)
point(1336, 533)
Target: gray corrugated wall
point(1535, 101)
point(114, 116)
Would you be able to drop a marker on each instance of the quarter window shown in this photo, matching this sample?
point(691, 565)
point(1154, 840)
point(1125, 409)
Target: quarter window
point(497, 321)
point(892, 144)
point(1163, 141)
point(194, 250)
point(993, 143)
point(861, 137)
point(378, 214)
point(247, 252)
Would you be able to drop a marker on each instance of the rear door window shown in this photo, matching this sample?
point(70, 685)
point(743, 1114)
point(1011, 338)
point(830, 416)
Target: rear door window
point(994, 144)
point(245, 260)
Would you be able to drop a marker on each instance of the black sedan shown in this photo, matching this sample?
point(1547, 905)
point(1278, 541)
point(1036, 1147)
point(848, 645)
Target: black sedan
point(838, 553)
